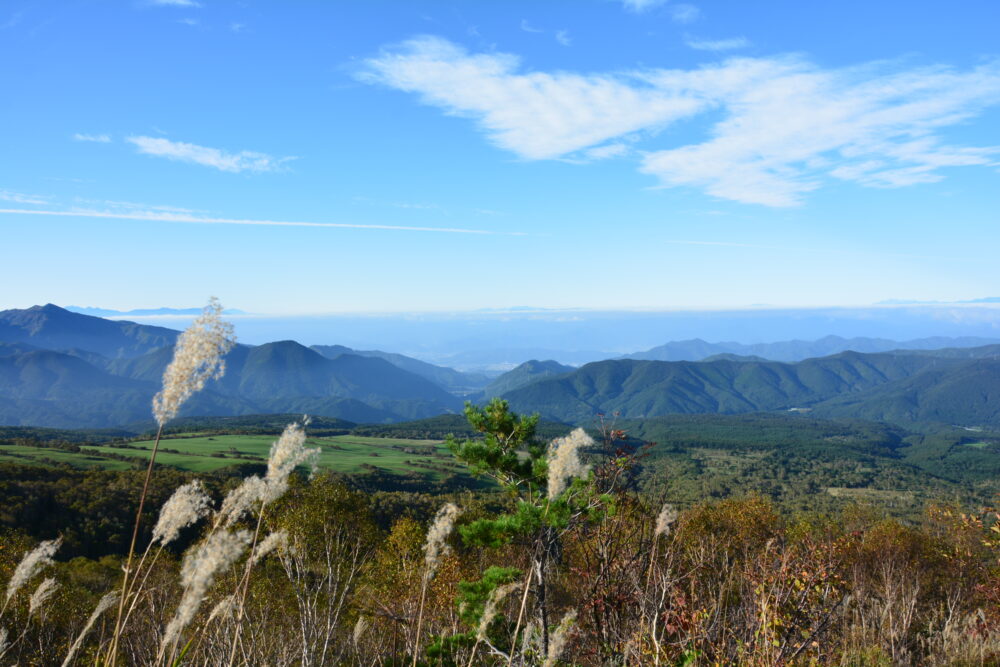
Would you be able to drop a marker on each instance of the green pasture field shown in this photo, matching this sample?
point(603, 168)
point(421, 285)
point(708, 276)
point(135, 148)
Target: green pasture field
point(26, 455)
point(977, 445)
point(342, 453)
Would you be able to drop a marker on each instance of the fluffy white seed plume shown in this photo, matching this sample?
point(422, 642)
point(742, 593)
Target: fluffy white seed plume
point(198, 358)
point(3, 641)
point(102, 606)
point(221, 608)
point(288, 453)
point(564, 460)
point(276, 540)
point(493, 607)
point(359, 629)
point(31, 564)
point(42, 594)
point(187, 504)
point(668, 515)
point(557, 642)
point(241, 500)
point(436, 536)
point(198, 571)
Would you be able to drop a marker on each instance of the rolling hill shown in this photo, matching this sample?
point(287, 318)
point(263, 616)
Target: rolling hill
point(456, 382)
point(797, 350)
point(638, 389)
point(523, 375)
point(55, 328)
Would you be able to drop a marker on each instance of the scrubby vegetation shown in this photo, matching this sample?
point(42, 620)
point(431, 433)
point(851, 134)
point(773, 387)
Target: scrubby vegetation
point(591, 573)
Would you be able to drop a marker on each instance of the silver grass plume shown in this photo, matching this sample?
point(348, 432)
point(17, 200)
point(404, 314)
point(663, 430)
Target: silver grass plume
point(359, 630)
point(493, 607)
point(288, 453)
point(187, 504)
point(667, 517)
point(221, 608)
point(42, 594)
point(557, 642)
point(198, 358)
point(241, 500)
point(564, 460)
point(276, 540)
point(32, 564)
point(198, 571)
point(436, 536)
point(105, 603)
point(3, 641)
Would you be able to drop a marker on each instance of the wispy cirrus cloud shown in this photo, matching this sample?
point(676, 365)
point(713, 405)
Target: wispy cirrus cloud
point(179, 215)
point(216, 158)
point(98, 138)
point(717, 44)
point(786, 126)
point(21, 198)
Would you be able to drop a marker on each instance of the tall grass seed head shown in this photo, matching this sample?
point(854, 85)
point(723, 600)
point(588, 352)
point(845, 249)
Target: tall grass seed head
point(241, 500)
point(198, 357)
point(436, 545)
point(103, 605)
point(564, 460)
point(276, 540)
point(493, 607)
point(187, 504)
point(667, 517)
point(199, 569)
point(287, 453)
point(32, 564)
point(42, 594)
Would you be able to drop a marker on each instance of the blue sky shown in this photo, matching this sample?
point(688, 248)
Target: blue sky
point(307, 157)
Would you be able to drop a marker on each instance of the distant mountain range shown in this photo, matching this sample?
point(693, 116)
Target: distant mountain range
point(64, 369)
point(142, 312)
point(797, 350)
point(956, 386)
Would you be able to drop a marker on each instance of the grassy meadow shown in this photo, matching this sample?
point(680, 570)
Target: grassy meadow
point(195, 452)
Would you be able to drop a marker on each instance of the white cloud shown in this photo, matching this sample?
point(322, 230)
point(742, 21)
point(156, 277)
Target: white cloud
point(606, 151)
point(785, 126)
point(562, 36)
point(209, 157)
point(640, 6)
point(526, 27)
point(536, 115)
point(175, 3)
point(169, 214)
point(21, 198)
point(99, 138)
point(718, 44)
point(683, 13)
